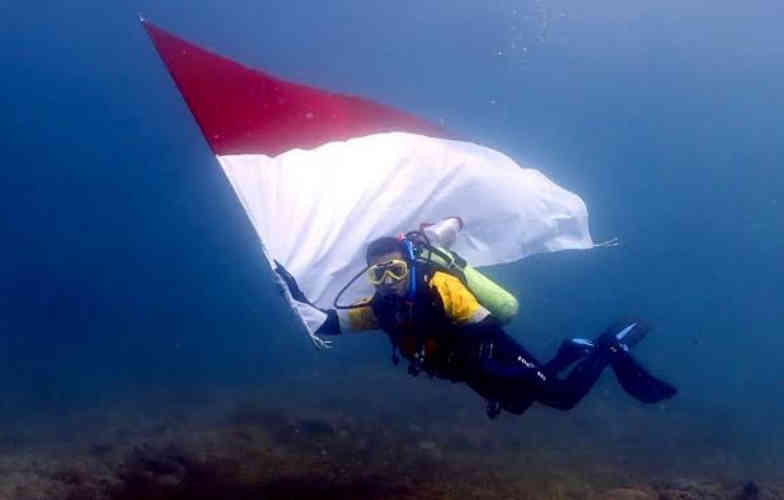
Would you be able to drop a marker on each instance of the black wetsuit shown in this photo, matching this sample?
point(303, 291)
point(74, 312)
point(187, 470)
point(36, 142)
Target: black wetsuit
point(490, 361)
point(503, 371)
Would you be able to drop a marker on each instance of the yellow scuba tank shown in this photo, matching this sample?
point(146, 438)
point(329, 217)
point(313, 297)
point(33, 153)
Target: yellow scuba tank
point(501, 304)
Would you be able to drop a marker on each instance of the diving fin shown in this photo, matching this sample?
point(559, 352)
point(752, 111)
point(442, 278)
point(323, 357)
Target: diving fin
point(636, 380)
point(622, 335)
point(633, 377)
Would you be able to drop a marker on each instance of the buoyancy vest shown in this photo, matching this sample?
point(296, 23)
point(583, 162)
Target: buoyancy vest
point(419, 329)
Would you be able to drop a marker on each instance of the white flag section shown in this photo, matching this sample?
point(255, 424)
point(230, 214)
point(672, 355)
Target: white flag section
point(320, 175)
point(316, 210)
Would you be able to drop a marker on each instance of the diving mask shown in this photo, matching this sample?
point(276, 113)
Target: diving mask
point(396, 269)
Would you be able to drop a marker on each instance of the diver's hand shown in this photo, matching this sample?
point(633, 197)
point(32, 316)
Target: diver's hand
point(291, 283)
point(330, 324)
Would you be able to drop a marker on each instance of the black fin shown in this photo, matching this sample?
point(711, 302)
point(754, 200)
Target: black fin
point(638, 382)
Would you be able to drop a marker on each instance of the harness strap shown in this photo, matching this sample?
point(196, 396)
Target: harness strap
point(412, 272)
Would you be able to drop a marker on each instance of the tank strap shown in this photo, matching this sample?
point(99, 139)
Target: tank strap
point(455, 263)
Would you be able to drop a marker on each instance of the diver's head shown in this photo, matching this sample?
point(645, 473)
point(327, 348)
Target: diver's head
point(388, 266)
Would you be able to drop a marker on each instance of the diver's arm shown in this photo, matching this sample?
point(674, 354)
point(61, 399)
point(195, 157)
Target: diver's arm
point(359, 318)
point(355, 319)
point(459, 304)
point(331, 325)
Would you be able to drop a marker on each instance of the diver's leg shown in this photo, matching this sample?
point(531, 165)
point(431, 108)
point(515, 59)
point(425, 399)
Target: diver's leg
point(612, 347)
point(564, 394)
point(503, 367)
point(519, 376)
point(504, 359)
point(570, 351)
point(515, 377)
point(516, 385)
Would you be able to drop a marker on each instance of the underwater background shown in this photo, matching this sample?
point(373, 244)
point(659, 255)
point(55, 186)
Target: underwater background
point(136, 311)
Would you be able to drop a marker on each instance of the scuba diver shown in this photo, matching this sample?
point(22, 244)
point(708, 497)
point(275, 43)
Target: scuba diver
point(424, 302)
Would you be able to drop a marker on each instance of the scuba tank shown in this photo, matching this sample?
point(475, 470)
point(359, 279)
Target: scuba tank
point(433, 247)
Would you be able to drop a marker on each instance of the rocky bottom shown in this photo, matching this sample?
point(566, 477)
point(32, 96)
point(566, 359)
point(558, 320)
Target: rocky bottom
point(257, 453)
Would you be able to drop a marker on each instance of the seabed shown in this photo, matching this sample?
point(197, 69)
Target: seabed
point(336, 438)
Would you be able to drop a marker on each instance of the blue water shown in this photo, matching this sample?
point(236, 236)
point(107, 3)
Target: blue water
point(128, 266)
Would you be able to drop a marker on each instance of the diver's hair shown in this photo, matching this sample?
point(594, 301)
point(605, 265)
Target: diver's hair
point(385, 244)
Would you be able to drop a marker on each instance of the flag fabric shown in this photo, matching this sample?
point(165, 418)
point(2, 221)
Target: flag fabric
point(321, 174)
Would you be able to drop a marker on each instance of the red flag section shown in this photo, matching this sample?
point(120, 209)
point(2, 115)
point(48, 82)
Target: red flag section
point(243, 110)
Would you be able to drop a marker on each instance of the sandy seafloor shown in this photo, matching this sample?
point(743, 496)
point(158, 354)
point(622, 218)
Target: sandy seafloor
point(329, 436)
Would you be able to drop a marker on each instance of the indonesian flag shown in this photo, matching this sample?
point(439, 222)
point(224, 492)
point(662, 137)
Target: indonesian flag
point(321, 174)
